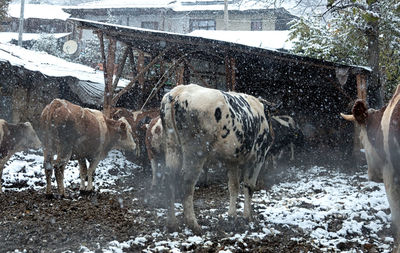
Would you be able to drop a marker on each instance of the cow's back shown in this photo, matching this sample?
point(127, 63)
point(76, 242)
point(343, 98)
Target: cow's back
point(67, 124)
point(232, 124)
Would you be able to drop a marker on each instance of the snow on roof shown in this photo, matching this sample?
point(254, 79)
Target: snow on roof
point(124, 4)
point(178, 5)
point(9, 36)
point(43, 11)
point(91, 84)
point(262, 39)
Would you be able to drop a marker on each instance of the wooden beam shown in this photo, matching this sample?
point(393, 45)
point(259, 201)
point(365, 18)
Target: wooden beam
point(144, 70)
point(121, 66)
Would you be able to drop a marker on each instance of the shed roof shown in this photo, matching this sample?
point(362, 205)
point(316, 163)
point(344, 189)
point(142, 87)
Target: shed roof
point(90, 85)
point(153, 42)
point(42, 11)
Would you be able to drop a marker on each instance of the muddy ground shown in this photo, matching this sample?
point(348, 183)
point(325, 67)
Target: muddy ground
point(30, 222)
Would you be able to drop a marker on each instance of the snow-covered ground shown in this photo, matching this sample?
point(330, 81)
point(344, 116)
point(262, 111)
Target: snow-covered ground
point(328, 206)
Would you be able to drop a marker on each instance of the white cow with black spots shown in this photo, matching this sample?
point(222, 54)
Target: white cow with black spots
point(202, 124)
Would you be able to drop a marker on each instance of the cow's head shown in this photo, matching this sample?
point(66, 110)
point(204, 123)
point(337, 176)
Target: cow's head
point(369, 121)
point(125, 136)
point(29, 137)
point(286, 131)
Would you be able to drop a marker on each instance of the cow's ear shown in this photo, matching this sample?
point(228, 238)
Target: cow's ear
point(349, 117)
point(360, 111)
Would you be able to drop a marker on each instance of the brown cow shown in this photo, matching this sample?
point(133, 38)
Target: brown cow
point(15, 138)
point(138, 121)
point(70, 130)
point(380, 136)
point(154, 145)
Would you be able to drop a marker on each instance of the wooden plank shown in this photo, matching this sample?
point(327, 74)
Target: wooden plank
point(361, 87)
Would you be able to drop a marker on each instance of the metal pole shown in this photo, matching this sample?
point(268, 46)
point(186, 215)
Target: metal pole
point(21, 23)
point(226, 15)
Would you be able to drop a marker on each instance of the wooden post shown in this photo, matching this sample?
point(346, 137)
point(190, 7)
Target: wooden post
point(361, 94)
point(228, 74)
point(361, 87)
point(233, 73)
point(108, 88)
point(140, 66)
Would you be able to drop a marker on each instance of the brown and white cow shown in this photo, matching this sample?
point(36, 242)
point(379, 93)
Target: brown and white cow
point(380, 136)
point(15, 138)
point(202, 124)
point(155, 148)
point(138, 121)
point(68, 130)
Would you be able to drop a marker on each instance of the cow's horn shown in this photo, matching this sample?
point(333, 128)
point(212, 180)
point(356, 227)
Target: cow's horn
point(349, 117)
point(270, 106)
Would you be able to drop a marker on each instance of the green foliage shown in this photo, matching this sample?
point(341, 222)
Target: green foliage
point(3, 9)
point(343, 38)
point(49, 44)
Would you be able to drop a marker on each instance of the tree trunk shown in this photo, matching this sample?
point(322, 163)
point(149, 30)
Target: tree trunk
point(374, 90)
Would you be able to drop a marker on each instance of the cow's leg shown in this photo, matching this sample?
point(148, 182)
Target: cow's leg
point(392, 187)
point(155, 172)
point(2, 163)
point(63, 158)
point(82, 173)
point(59, 172)
point(173, 165)
point(90, 172)
point(233, 186)
point(250, 180)
point(192, 171)
point(48, 169)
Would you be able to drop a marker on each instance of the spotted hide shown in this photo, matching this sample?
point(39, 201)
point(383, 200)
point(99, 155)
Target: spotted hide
point(70, 131)
point(203, 124)
point(15, 138)
point(380, 136)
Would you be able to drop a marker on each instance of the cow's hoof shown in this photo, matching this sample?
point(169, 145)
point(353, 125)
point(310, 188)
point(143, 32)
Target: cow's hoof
point(49, 196)
point(85, 192)
point(197, 230)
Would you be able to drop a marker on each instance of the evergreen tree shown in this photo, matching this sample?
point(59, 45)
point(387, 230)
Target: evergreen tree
point(48, 44)
point(360, 32)
point(3, 9)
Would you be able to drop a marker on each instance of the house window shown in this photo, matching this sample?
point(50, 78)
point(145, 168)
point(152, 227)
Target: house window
point(150, 25)
point(256, 25)
point(202, 24)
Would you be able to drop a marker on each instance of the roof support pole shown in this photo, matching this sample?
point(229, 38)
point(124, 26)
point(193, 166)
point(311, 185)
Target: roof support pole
point(361, 94)
point(230, 74)
point(108, 68)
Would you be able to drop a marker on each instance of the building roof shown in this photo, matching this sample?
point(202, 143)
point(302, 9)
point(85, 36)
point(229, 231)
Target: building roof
point(42, 11)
